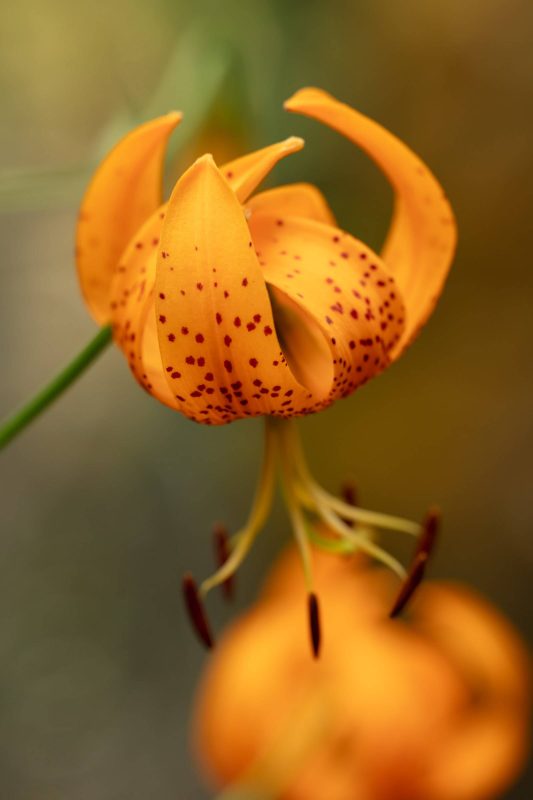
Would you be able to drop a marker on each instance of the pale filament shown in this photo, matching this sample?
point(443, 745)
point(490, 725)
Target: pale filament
point(242, 542)
point(307, 502)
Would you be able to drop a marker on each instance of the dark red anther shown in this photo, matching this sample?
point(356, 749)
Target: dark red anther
point(196, 610)
point(350, 496)
point(349, 492)
point(222, 552)
point(424, 549)
point(314, 623)
point(410, 584)
point(430, 530)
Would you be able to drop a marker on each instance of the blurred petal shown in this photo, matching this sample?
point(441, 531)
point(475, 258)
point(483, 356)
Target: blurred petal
point(489, 743)
point(295, 200)
point(387, 695)
point(422, 237)
point(124, 191)
point(214, 318)
point(338, 313)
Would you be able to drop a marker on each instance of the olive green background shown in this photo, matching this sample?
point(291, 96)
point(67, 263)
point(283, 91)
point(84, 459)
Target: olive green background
point(109, 497)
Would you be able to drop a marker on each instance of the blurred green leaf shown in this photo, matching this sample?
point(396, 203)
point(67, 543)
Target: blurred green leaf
point(193, 79)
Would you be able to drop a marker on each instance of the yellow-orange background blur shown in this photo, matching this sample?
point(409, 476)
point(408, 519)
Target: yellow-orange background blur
point(110, 497)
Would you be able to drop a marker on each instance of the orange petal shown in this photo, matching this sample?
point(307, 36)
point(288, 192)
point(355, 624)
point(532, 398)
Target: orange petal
point(296, 200)
point(326, 283)
point(489, 742)
point(124, 191)
point(133, 310)
point(214, 318)
point(422, 237)
point(246, 173)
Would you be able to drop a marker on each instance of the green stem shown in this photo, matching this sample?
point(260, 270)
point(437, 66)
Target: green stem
point(16, 423)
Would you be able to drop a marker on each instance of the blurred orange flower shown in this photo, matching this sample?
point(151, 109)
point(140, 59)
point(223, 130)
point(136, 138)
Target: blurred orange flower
point(433, 709)
point(229, 307)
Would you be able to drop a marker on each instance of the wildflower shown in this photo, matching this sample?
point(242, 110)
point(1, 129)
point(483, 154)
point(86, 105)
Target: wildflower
point(229, 304)
point(436, 708)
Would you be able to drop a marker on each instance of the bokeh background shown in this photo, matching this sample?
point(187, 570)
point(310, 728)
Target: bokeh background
point(110, 497)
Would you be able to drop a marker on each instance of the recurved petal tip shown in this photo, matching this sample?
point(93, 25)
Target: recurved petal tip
point(305, 95)
point(123, 193)
point(205, 160)
point(174, 116)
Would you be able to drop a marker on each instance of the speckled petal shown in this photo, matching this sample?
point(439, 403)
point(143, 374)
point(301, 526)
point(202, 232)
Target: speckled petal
point(124, 191)
point(422, 237)
point(133, 310)
point(296, 200)
point(341, 288)
point(215, 326)
point(246, 173)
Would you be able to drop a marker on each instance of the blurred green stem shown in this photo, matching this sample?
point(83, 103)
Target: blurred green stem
point(16, 423)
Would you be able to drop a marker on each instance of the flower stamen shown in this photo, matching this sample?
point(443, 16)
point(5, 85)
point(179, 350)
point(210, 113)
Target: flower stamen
point(314, 623)
point(350, 495)
point(410, 585)
point(222, 552)
point(346, 509)
point(196, 610)
point(242, 541)
point(424, 549)
point(346, 529)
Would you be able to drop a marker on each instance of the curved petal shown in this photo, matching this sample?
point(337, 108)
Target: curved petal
point(124, 191)
point(255, 166)
point(133, 310)
point(132, 293)
point(338, 283)
point(295, 200)
point(214, 318)
point(422, 237)
point(246, 173)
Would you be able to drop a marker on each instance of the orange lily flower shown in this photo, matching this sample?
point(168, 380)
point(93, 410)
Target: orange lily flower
point(228, 305)
point(434, 709)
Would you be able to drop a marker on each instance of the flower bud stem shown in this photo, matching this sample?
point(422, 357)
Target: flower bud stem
point(18, 421)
